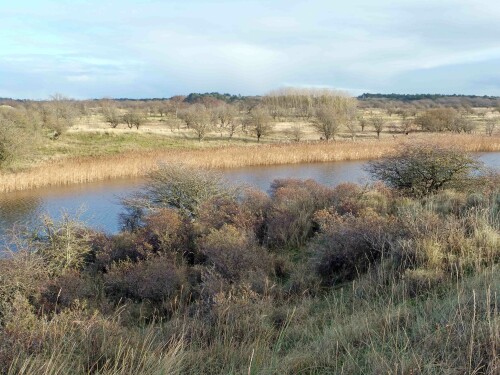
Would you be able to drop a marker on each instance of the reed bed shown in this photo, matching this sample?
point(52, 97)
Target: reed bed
point(136, 164)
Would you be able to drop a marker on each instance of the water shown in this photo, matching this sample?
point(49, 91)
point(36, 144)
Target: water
point(98, 204)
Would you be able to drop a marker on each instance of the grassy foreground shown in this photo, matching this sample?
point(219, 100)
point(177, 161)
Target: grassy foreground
point(143, 153)
point(307, 280)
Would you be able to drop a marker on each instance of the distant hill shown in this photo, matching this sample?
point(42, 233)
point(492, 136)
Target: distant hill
point(438, 99)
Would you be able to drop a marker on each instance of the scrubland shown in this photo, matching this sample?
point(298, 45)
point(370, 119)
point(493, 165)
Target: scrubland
point(208, 278)
point(62, 141)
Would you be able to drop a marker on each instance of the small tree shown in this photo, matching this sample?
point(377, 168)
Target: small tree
point(111, 115)
point(133, 118)
point(198, 118)
point(259, 120)
point(378, 124)
point(423, 170)
point(296, 132)
point(327, 122)
point(226, 116)
point(334, 112)
point(490, 126)
point(363, 122)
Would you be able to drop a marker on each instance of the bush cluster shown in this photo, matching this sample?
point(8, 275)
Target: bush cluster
point(219, 269)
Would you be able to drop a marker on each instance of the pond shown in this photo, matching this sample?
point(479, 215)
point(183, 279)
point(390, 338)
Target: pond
point(98, 204)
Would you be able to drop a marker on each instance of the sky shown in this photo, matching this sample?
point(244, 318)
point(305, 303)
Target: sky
point(147, 48)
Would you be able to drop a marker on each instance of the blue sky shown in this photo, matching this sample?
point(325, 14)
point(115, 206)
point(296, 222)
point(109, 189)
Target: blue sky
point(146, 48)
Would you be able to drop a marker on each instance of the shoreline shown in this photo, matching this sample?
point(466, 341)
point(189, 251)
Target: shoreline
point(138, 163)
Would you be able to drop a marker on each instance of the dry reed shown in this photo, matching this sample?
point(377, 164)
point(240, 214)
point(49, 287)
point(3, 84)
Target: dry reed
point(136, 164)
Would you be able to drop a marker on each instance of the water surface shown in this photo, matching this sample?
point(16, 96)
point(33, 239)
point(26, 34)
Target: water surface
point(98, 204)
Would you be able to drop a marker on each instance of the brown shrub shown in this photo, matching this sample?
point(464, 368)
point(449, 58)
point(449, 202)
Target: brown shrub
point(234, 254)
point(255, 204)
point(218, 211)
point(65, 290)
point(21, 274)
point(125, 246)
point(294, 202)
point(166, 231)
point(155, 280)
point(348, 245)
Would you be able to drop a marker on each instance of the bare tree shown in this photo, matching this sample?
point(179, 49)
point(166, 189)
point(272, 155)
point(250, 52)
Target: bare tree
point(134, 118)
point(423, 170)
point(334, 112)
point(490, 126)
point(58, 114)
point(227, 118)
point(407, 126)
point(363, 122)
point(378, 124)
point(259, 121)
point(198, 118)
point(296, 132)
point(111, 114)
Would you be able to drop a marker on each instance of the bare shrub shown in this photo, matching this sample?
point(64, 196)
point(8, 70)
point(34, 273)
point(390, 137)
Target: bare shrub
point(63, 245)
point(422, 170)
point(218, 211)
point(437, 119)
point(180, 187)
point(348, 245)
point(155, 280)
point(490, 126)
point(166, 231)
point(234, 253)
point(289, 220)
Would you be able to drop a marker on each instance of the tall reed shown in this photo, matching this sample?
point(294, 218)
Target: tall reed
point(136, 164)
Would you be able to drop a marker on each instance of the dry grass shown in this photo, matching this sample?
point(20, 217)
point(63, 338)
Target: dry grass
point(138, 163)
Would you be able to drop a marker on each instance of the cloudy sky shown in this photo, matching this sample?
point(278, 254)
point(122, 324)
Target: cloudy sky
point(148, 48)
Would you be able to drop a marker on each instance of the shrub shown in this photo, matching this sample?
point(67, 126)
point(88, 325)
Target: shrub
point(62, 292)
point(121, 247)
point(423, 170)
point(179, 187)
point(166, 231)
point(233, 253)
point(155, 280)
point(218, 211)
point(21, 274)
point(348, 245)
point(290, 217)
point(64, 245)
point(437, 119)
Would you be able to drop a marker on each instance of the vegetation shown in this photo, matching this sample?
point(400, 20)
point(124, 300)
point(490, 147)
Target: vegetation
point(423, 170)
point(36, 135)
point(308, 279)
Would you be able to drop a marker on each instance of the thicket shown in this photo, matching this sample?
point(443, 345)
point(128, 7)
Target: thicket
point(306, 279)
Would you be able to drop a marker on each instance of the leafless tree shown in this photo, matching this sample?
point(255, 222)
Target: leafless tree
point(296, 131)
point(111, 114)
point(134, 118)
point(334, 112)
point(490, 126)
point(260, 122)
point(198, 118)
point(378, 124)
point(227, 118)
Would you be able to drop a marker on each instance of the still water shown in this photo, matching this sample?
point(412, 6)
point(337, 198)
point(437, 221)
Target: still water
point(98, 204)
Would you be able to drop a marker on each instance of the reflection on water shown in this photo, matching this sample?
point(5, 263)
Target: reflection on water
point(100, 201)
point(96, 203)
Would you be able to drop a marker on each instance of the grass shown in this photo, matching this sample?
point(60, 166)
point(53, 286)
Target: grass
point(126, 155)
point(433, 317)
